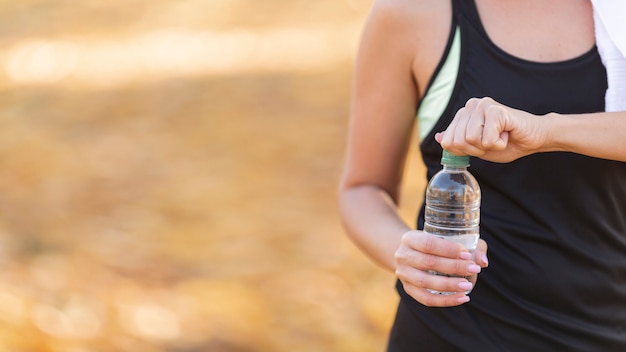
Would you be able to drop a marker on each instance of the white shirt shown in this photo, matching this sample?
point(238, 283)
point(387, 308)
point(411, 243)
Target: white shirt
point(610, 32)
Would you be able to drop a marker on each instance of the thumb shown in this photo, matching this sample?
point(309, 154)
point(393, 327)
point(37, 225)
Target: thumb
point(439, 137)
point(502, 141)
point(480, 254)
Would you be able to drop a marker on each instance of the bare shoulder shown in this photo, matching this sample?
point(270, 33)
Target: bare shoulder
point(411, 14)
point(416, 29)
point(415, 6)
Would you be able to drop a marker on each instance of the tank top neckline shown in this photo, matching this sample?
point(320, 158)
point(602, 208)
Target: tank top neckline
point(481, 28)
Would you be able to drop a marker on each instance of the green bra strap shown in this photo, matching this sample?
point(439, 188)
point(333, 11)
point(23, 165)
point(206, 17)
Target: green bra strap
point(439, 93)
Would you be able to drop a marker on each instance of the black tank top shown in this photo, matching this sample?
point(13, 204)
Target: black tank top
point(555, 222)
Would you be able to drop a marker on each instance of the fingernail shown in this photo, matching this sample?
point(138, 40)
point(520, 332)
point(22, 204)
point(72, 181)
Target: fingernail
point(465, 255)
point(465, 286)
point(463, 299)
point(473, 268)
point(485, 260)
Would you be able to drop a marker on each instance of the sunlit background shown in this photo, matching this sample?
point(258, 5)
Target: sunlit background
point(168, 175)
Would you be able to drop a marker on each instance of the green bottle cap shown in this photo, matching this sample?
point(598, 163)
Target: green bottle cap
point(449, 159)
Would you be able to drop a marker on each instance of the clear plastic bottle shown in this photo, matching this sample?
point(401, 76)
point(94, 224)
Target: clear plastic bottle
point(453, 205)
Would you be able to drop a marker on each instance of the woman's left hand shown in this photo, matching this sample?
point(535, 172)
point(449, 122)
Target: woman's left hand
point(489, 130)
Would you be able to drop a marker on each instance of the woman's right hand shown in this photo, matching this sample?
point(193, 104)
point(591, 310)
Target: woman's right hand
point(420, 252)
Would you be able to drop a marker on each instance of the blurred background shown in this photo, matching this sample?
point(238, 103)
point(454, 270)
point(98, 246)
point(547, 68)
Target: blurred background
point(168, 176)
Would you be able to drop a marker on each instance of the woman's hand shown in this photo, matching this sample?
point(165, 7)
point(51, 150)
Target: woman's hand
point(420, 252)
point(491, 131)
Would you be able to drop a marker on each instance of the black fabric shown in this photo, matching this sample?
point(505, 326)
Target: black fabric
point(555, 222)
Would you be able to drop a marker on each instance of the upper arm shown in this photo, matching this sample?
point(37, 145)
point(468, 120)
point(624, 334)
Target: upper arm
point(385, 94)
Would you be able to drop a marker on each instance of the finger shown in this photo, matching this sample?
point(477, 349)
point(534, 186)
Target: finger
point(453, 139)
point(458, 122)
point(430, 280)
point(447, 137)
point(494, 135)
point(476, 123)
point(432, 300)
point(429, 299)
point(429, 253)
point(429, 262)
point(439, 137)
point(472, 103)
point(480, 254)
point(459, 136)
point(430, 244)
point(474, 131)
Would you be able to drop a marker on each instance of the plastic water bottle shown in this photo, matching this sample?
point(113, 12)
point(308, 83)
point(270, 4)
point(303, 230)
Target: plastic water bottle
point(453, 206)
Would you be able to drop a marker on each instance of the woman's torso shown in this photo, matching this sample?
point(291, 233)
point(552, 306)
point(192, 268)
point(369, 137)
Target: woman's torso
point(525, 29)
point(554, 222)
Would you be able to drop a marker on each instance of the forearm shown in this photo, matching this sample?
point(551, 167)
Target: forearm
point(600, 135)
point(371, 220)
point(491, 131)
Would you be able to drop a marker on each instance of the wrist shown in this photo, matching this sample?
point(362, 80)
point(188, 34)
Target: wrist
point(553, 133)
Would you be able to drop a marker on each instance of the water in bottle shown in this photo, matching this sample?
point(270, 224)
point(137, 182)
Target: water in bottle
point(453, 206)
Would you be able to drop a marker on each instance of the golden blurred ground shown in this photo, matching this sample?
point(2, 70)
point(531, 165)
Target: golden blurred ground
point(168, 174)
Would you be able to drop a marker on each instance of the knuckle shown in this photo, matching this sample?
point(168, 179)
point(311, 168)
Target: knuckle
point(404, 239)
point(453, 249)
point(428, 243)
point(422, 280)
point(408, 239)
point(397, 257)
point(460, 267)
point(487, 143)
point(403, 273)
point(495, 111)
point(473, 139)
point(461, 112)
point(487, 100)
point(399, 253)
point(456, 144)
point(472, 102)
point(400, 274)
point(429, 261)
point(401, 256)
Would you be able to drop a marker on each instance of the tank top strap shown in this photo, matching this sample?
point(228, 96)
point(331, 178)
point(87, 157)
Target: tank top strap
point(468, 10)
